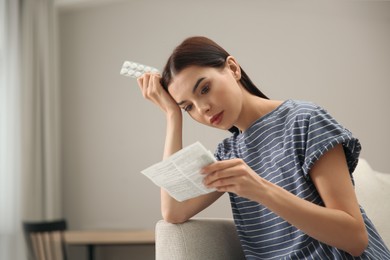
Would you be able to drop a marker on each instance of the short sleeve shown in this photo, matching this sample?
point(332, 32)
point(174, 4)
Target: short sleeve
point(323, 133)
point(218, 154)
point(225, 149)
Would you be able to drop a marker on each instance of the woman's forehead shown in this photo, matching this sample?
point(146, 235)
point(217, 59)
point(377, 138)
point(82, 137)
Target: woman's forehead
point(185, 80)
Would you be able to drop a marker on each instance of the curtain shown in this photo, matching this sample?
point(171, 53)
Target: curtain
point(30, 180)
point(9, 131)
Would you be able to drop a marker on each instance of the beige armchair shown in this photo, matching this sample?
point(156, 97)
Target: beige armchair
point(216, 239)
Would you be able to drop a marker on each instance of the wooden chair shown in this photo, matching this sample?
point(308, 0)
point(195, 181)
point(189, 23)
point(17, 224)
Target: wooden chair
point(45, 239)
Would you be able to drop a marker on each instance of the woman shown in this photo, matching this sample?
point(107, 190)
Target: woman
point(287, 166)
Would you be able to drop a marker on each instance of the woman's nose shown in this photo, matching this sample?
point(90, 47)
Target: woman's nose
point(203, 107)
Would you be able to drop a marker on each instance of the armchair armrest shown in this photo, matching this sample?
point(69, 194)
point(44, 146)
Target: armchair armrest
point(198, 239)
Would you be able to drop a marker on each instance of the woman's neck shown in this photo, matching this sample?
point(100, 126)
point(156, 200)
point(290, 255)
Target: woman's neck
point(253, 108)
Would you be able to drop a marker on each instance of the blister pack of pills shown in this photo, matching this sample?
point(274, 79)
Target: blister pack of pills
point(136, 70)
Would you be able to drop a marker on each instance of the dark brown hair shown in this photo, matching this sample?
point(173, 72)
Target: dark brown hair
point(203, 52)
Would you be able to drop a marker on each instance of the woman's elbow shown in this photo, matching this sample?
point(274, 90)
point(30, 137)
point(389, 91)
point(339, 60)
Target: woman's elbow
point(360, 244)
point(174, 218)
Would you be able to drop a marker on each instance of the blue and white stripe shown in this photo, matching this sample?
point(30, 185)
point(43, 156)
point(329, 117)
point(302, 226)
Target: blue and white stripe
point(281, 147)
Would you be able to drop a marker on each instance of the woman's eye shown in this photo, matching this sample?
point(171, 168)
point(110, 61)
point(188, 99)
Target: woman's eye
point(187, 108)
point(205, 89)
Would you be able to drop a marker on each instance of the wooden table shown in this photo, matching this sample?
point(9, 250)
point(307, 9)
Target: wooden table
point(93, 238)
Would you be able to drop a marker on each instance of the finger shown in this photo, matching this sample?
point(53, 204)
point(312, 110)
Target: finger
point(145, 88)
point(220, 165)
point(227, 185)
point(229, 180)
point(155, 79)
point(227, 173)
point(227, 188)
point(153, 86)
point(140, 81)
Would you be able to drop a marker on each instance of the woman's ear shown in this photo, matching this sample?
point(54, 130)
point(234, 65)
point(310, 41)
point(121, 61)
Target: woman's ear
point(234, 67)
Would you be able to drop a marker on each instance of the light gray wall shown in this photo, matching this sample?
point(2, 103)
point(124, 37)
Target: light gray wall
point(335, 53)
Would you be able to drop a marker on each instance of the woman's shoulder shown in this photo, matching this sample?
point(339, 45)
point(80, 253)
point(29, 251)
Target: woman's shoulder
point(302, 109)
point(287, 113)
point(301, 105)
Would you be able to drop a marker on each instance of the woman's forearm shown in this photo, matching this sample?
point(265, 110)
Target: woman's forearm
point(173, 143)
point(174, 134)
point(172, 210)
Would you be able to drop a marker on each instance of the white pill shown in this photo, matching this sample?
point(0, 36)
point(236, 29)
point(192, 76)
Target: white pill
point(123, 71)
point(126, 64)
point(137, 74)
point(133, 65)
point(147, 69)
point(140, 67)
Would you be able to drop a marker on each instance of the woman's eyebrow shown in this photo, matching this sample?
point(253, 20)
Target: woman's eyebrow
point(193, 89)
point(197, 84)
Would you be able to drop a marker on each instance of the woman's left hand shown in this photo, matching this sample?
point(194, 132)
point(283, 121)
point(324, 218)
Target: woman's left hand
point(235, 176)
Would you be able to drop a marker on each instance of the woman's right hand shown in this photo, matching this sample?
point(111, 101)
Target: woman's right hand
point(152, 90)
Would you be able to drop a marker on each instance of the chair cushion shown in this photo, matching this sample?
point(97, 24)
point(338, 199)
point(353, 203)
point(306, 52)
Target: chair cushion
point(373, 191)
point(198, 239)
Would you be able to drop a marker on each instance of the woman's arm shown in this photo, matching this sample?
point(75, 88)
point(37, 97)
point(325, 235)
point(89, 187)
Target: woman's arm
point(339, 223)
point(172, 210)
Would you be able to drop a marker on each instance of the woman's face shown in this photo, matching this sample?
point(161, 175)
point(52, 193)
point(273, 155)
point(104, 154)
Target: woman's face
point(211, 96)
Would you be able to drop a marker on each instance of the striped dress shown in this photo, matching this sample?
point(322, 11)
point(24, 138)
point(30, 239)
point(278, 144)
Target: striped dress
point(281, 147)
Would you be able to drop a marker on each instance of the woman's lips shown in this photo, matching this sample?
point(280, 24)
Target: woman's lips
point(216, 119)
